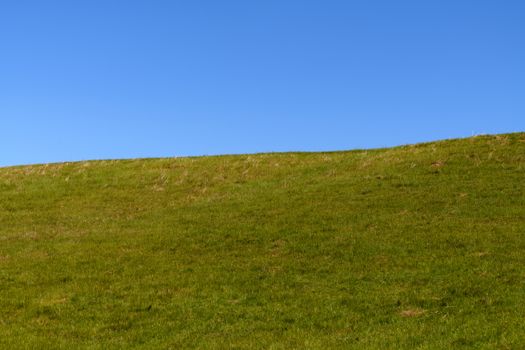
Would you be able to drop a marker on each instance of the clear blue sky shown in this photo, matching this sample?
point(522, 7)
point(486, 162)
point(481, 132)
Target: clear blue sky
point(125, 79)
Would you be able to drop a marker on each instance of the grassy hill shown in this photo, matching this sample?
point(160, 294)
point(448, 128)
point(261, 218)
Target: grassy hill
point(418, 246)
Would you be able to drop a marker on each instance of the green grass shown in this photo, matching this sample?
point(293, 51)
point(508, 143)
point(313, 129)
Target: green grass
point(411, 247)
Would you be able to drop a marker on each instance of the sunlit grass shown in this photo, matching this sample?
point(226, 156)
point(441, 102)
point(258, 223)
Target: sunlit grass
point(412, 247)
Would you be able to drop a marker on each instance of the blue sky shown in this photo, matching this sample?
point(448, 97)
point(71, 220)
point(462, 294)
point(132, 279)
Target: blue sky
point(124, 79)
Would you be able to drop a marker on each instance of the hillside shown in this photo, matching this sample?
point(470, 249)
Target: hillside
point(419, 246)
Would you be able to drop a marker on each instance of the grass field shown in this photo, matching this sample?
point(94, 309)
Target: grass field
point(418, 246)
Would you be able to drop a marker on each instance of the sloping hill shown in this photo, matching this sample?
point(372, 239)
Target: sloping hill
point(411, 247)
